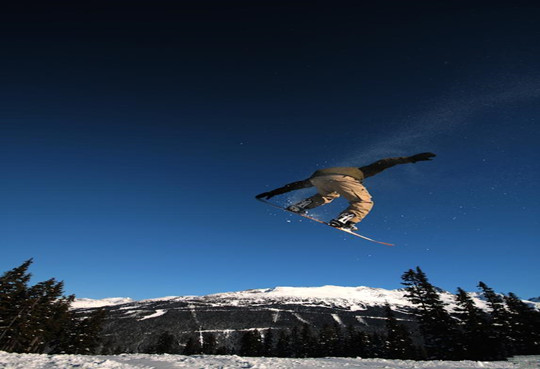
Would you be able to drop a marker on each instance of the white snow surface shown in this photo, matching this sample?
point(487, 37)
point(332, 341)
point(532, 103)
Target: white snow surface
point(350, 298)
point(144, 361)
point(367, 295)
point(91, 303)
point(158, 312)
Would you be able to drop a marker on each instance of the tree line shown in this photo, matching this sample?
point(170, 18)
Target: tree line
point(509, 327)
point(299, 342)
point(38, 319)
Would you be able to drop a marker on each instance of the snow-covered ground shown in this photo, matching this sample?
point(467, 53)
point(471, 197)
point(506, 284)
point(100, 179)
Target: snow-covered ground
point(140, 361)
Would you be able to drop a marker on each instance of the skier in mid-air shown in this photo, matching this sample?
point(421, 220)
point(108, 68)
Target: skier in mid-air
point(334, 182)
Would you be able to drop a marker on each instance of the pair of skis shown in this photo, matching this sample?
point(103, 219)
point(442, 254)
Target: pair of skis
point(323, 222)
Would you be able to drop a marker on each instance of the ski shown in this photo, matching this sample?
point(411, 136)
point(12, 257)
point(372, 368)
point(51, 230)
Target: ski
point(323, 222)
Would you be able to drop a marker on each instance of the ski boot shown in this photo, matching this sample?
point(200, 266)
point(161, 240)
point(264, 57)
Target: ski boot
point(300, 207)
point(343, 221)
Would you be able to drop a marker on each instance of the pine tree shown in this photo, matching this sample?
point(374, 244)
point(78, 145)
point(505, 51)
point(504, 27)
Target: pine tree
point(283, 344)
point(268, 343)
point(209, 346)
point(339, 349)
point(348, 338)
point(295, 342)
point(37, 319)
point(86, 332)
point(398, 343)
point(307, 342)
point(375, 345)
point(439, 329)
point(478, 337)
point(166, 344)
point(251, 343)
point(357, 343)
point(524, 326)
point(329, 340)
point(192, 347)
point(14, 306)
point(499, 320)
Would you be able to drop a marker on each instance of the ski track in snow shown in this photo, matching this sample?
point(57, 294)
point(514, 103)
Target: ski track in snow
point(301, 319)
point(338, 320)
point(275, 314)
point(158, 312)
point(144, 361)
point(361, 320)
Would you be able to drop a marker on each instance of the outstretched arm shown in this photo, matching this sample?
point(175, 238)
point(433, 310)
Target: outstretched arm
point(379, 166)
point(287, 188)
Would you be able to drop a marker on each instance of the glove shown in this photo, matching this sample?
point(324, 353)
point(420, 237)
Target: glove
point(267, 195)
point(421, 157)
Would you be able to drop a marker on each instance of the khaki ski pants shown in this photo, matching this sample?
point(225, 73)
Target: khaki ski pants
point(331, 187)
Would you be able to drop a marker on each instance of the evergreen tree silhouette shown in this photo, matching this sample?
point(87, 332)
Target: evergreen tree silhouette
point(479, 342)
point(251, 343)
point(439, 329)
point(209, 346)
point(14, 306)
point(357, 343)
point(499, 319)
point(166, 344)
point(398, 343)
point(375, 345)
point(307, 342)
point(295, 342)
point(38, 319)
point(268, 343)
point(330, 340)
point(283, 344)
point(192, 347)
point(524, 326)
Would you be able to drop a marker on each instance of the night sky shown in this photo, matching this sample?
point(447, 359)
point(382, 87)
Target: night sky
point(135, 135)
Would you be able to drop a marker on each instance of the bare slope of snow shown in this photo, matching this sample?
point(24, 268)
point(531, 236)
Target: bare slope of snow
point(140, 361)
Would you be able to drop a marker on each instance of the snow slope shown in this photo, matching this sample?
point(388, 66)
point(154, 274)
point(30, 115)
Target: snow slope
point(140, 361)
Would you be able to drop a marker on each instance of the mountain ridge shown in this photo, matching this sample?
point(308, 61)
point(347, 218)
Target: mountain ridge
point(136, 326)
point(367, 295)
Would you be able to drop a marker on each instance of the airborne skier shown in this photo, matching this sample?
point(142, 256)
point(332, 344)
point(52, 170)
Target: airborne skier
point(334, 182)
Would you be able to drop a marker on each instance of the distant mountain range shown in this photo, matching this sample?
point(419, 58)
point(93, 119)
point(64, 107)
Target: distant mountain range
point(134, 326)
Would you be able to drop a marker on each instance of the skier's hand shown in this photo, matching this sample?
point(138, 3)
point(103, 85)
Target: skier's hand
point(422, 157)
point(267, 195)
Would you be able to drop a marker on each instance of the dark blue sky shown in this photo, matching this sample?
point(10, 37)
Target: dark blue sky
point(133, 137)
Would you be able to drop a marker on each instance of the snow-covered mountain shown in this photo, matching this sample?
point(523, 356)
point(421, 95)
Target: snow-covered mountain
point(133, 326)
point(351, 298)
point(91, 303)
